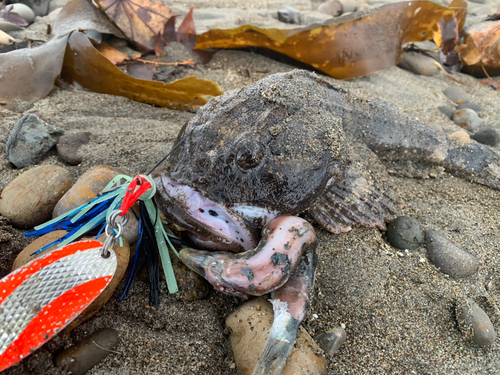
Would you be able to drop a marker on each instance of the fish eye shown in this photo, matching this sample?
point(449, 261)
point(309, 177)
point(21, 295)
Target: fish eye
point(250, 156)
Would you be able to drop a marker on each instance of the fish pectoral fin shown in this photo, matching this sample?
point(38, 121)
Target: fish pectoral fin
point(357, 198)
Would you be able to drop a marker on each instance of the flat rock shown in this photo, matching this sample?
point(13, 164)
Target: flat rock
point(80, 358)
point(449, 258)
point(30, 140)
point(331, 340)
point(446, 111)
point(475, 107)
point(249, 326)
point(467, 119)
point(456, 95)
point(405, 232)
point(475, 323)
point(460, 136)
point(418, 63)
point(68, 146)
point(30, 198)
point(122, 257)
point(487, 136)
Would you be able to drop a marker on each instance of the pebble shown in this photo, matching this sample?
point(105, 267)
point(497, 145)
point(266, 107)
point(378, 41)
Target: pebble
point(40, 7)
point(30, 198)
point(30, 140)
point(192, 287)
point(447, 111)
point(80, 358)
point(474, 323)
point(487, 136)
point(460, 136)
point(122, 257)
point(331, 340)
point(9, 26)
point(68, 146)
point(23, 10)
point(249, 325)
point(418, 63)
point(456, 95)
point(405, 232)
point(332, 8)
point(449, 258)
point(289, 14)
point(5, 38)
point(475, 107)
point(467, 119)
point(86, 188)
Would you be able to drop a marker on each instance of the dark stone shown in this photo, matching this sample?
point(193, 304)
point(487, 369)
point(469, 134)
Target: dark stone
point(447, 111)
point(456, 95)
point(68, 146)
point(475, 107)
point(331, 340)
point(474, 323)
point(289, 15)
point(405, 233)
point(449, 258)
point(30, 140)
point(487, 136)
point(80, 358)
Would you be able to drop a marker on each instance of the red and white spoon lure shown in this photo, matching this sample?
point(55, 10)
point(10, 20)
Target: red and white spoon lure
point(41, 298)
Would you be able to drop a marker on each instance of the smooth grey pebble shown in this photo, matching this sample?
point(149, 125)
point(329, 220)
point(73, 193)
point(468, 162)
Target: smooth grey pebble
point(446, 111)
point(289, 14)
point(475, 107)
point(40, 7)
point(405, 232)
point(80, 358)
point(475, 323)
point(30, 140)
point(418, 63)
point(68, 146)
point(449, 258)
point(487, 136)
point(331, 340)
point(467, 119)
point(456, 95)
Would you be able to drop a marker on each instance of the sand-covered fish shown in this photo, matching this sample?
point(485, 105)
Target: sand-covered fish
point(252, 159)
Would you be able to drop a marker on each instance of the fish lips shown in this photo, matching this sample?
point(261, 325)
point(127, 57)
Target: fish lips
point(210, 225)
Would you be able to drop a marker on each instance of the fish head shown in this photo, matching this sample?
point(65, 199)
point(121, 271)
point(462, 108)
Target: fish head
point(248, 156)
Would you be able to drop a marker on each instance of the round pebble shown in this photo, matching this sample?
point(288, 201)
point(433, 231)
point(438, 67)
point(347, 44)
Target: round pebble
point(460, 136)
point(68, 146)
point(405, 232)
point(249, 326)
point(30, 198)
point(487, 136)
point(467, 119)
point(331, 340)
point(418, 63)
point(474, 323)
point(332, 8)
point(30, 140)
point(447, 111)
point(449, 258)
point(289, 14)
point(475, 107)
point(456, 95)
point(23, 10)
point(80, 358)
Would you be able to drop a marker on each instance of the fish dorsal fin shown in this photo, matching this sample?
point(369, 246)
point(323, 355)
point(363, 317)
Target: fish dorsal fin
point(360, 196)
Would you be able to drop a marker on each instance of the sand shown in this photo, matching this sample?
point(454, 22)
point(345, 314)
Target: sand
point(398, 309)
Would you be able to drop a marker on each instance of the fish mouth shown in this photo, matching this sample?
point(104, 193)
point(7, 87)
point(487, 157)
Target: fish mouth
point(210, 225)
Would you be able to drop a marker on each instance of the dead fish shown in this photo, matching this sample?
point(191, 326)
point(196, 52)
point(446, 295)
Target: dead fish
point(254, 158)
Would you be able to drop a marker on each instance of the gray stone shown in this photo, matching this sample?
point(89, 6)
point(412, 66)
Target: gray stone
point(331, 340)
point(475, 323)
point(332, 8)
point(68, 146)
point(40, 7)
point(475, 107)
point(80, 358)
point(418, 63)
point(467, 119)
point(487, 136)
point(9, 26)
point(456, 95)
point(446, 111)
point(405, 232)
point(289, 15)
point(449, 258)
point(30, 140)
